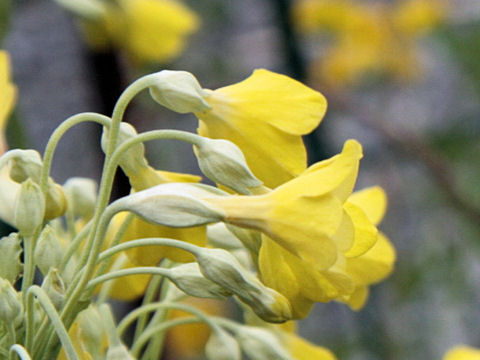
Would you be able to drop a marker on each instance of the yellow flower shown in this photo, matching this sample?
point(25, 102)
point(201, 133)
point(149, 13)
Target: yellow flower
point(301, 349)
point(147, 30)
point(265, 116)
point(462, 352)
point(8, 94)
point(367, 36)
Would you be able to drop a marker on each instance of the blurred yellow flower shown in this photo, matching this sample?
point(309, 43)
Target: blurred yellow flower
point(462, 352)
point(265, 116)
point(8, 93)
point(149, 31)
point(301, 349)
point(366, 37)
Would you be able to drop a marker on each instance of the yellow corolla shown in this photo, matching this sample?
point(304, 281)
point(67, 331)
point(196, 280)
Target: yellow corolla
point(301, 349)
point(147, 30)
point(265, 116)
point(462, 352)
point(367, 36)
point(8, 93)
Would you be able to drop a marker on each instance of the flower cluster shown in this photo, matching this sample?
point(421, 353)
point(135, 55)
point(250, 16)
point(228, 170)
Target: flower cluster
point(274, 234)
point(367, 36)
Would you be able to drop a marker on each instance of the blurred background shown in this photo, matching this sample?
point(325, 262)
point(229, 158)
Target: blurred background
point(401, 76)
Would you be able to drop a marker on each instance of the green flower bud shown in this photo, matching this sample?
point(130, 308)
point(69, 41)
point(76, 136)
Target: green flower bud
point(173, 204)
point(10, 304)
point(222, 346)
point(10, 264)
point(82, 196)
point(224, 163)
point(29, 208)
point(260, 344)
point(56, 203)
point(27, 164)
point(189, 279)
point(48, 251)
point(178, 91)
point(220, 236)
point(223, 268)
point(89, 9)
point(93, 330)
point(134, 158)
point(54, 288)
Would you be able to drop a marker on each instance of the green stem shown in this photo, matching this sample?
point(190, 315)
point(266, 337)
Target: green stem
point(57, 135)
point(104, 292)
point(20, 351)
point(49, 309)
point(11, 332)
point(72, 248)
point(127, 272)
point(147, 334)
point(29, 265)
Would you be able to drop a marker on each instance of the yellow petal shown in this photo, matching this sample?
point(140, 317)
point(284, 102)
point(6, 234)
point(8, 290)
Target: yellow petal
point(462, 352)
point(8, 93)
point(365, 232)
point(265, 115)
point(358, 298)
point(301, 349)
point(373, 201)
point(414, 16)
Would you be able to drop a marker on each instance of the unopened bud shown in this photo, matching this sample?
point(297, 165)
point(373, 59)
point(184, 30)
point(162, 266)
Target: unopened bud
point(82, 196)
point(189, 279)
point(89, 9)
point(29, 208)
point(56, 203)
point(27, 164)
point(223, 268)
point(261, 344)
point(54, 287)
point(48, 251)
point(222, 346)
point(178, 91)
point(224, 163)
point(10, 264)
point(174, 204)
point(134, 158)
point(220, 236)
point(91, 322)
point(10, 305)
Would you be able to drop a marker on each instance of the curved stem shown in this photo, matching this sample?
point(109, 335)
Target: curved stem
point(49, 309)
point(147, 334)
point(193, 249)
point(20, 351)
point(74, 245)
point(29, 265)
point(127, 272)
point(57, 135)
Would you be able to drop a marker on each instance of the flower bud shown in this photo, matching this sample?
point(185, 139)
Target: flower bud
point(174, 204)
point(29, 208)
point(178, 91)
point(93, 331)
point(222, 346)
point(25, 164)
point(189, 279)
point(90, 9)
point(134, 158)
point(260, 344)
point(10, 305)
point(54, 288)
point(223, 268)
point(48, 251)
point(10, 264)
point(224, 163)
point(82, 196)
point(56, 203)
point(220, 236)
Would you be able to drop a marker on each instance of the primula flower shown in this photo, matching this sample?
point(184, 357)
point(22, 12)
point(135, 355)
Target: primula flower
point(367, 37)
point(265, 116)
point(462, 352)
point(147, 30)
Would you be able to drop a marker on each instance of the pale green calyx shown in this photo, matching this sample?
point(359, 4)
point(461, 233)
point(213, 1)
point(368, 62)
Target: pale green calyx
point(220, 236)
point(173, 204)
point(134, 158)
point(54, 287)
point(178, 91)
point(25, 164)
point(260, 344)
point(81, 195)
point(118, 352)
point(222, 346)
point(93, 330)
point(223, 268)
point(48, 251)
point(10, 264)
point(10, 305)
point(89, 9)
point(29, 208)
point(189, 279)
point(224, 163)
